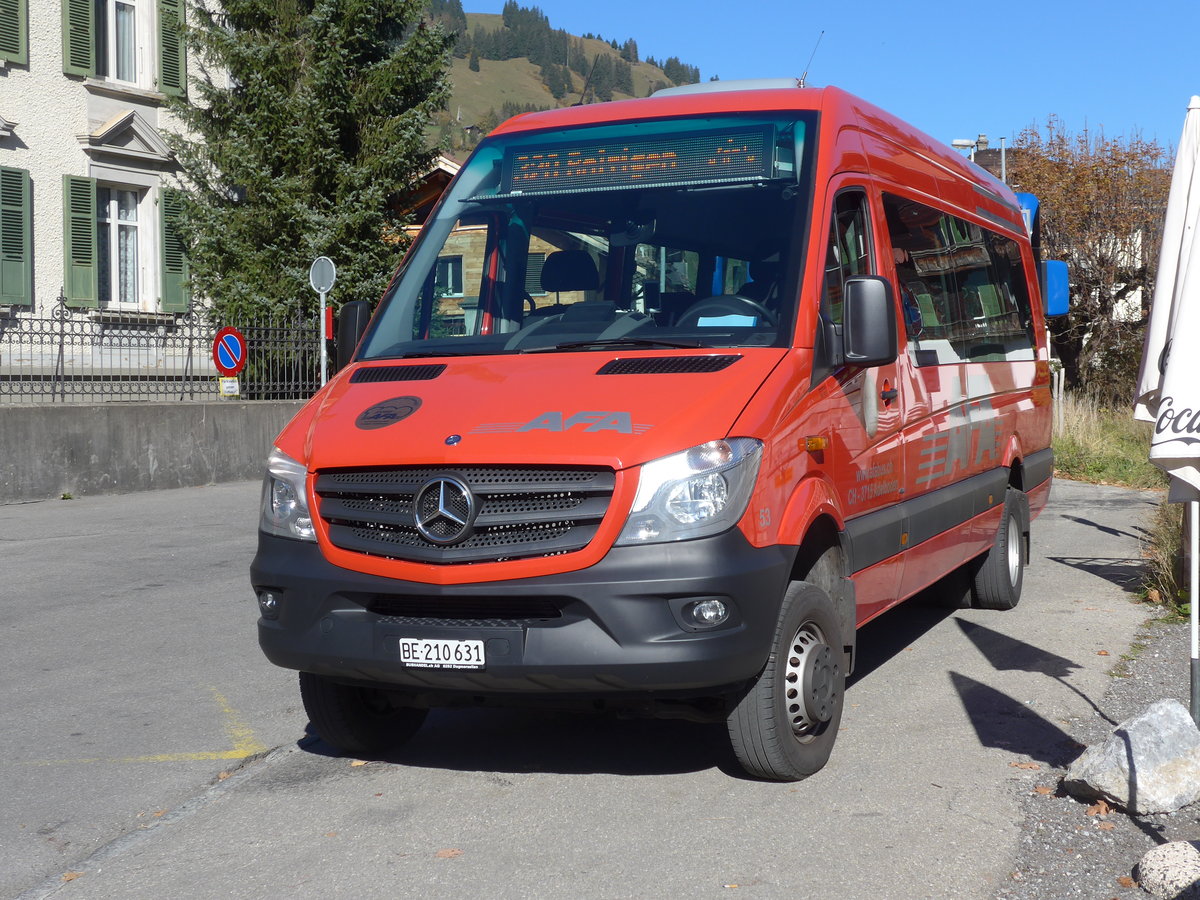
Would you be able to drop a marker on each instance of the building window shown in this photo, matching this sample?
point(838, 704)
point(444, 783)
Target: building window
point(118, 237)
point(134, 42)
point(117, 39)
point(448, 282)
point(123, 249)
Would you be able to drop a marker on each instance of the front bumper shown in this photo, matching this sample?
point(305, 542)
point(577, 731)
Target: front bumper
point(619, 629)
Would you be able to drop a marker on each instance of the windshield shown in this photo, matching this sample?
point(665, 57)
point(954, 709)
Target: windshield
point(678, 233)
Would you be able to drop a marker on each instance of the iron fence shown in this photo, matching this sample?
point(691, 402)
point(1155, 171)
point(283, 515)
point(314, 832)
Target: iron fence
point(91, 356)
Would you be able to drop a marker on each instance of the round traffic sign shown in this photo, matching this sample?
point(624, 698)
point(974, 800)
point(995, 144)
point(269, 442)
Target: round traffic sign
point(229, 351)
point(322, 274)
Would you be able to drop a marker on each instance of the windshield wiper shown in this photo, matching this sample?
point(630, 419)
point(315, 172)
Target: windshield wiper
point(628, 342)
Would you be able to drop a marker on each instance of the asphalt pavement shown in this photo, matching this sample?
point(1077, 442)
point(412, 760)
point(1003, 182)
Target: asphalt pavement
point(148, 749)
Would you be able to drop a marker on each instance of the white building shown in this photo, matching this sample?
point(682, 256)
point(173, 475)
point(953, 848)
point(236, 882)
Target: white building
point(85, 210)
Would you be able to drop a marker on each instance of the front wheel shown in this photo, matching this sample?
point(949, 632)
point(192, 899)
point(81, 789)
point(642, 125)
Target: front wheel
point(1001, 571)
point(784, 727)
point(358, 720)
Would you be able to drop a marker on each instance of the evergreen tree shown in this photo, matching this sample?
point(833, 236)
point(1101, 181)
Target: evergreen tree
point(449, 14)
point(603, 78)
point(577, 59)
point(321, 121)
point(623, 77)
point(553, 79)
point(473, 62)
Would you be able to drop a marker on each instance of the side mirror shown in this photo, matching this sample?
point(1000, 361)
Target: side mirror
point(352, 325)
point(869, 330)
point(1056, 289)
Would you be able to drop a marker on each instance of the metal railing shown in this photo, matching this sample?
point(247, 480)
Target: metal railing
point(92, 356)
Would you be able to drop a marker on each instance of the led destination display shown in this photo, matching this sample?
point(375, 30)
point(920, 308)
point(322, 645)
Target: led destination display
point(718, 157)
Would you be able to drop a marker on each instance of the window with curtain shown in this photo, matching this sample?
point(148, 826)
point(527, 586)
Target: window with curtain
point(118, 24)
point(118, 239)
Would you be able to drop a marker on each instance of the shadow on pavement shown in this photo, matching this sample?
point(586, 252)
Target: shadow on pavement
point(1007, 724)
point(1107, 529)
point(577, 743)
point(885, 637)
point(1124, 573)
point(1008, 654)
point(556, 742)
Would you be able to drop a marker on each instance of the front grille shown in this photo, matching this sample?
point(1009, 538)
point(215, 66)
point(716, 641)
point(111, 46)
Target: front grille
point(485, 612)
point(667, 365)
point(522, 511)
point(397, 373)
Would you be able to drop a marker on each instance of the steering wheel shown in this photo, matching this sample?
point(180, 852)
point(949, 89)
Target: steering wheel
point(727, 305)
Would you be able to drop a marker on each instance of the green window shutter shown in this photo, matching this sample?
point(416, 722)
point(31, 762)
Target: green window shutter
point(79, 37)
point(14, 31)
point(172, 56)
point(16, 245)
point(172, 253)
point(79, 241)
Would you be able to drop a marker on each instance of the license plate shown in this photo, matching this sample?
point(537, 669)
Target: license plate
point(427, 653)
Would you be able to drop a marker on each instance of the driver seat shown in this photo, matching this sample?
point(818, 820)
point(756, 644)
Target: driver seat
point(569, 270)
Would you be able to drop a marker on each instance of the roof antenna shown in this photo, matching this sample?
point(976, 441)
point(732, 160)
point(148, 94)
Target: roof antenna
point(587, 81)
point(808, 65)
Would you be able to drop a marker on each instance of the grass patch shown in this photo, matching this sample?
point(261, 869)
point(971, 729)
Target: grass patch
point(1164, 579)
point(1101, 445)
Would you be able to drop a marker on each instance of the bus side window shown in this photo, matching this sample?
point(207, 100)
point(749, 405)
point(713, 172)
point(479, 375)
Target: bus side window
point(848, 252)
point(962, 285)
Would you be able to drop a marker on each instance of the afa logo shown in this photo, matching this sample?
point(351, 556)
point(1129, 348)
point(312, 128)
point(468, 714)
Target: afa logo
point(387, 413)
point(591, 421)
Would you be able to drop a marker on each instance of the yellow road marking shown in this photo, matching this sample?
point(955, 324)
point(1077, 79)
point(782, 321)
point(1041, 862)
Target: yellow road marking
point(244, 741)
point(240, 734)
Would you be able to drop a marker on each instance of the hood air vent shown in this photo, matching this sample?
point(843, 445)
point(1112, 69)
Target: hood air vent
point(397, 373)
point(667, 365)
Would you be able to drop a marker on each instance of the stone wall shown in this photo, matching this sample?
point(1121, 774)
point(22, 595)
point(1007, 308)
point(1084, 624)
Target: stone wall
point(109, 448)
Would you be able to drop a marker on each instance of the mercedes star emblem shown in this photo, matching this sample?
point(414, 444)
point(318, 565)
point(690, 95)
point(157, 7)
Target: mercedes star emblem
point(444, 510)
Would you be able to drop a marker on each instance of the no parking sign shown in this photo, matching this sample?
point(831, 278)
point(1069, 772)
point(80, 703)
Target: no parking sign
point(229, 351)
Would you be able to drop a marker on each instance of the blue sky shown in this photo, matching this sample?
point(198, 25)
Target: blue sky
point(953, 69)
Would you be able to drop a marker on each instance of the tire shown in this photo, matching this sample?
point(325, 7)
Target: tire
point(358, 720)
point(1000, 572)
point(953, 591)
point(784, 727)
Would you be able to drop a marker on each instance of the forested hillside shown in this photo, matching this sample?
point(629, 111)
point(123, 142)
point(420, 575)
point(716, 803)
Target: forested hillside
point(518, 62)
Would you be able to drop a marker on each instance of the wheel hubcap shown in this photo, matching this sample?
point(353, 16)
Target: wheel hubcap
point(811, 674)
point(1013, 550)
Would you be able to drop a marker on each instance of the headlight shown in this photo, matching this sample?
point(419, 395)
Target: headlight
point(284, 501)
point(693, 494)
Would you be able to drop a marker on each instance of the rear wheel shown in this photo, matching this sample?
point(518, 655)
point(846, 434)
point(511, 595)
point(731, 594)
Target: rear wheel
point(784, 727)
point(358, 720)
point(1001, 571)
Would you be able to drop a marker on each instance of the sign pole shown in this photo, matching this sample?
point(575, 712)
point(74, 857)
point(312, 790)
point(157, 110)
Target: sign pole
point(324, 338)
point(321, 276)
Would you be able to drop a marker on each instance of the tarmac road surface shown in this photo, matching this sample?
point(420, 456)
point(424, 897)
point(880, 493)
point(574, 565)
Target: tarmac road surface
point(131, 686)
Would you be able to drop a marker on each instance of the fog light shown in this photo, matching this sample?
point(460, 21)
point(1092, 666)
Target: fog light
point(268, 604)
point(709, 612)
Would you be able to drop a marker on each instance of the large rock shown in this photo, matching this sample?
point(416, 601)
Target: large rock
point(1150, 763)
point(1171, 871)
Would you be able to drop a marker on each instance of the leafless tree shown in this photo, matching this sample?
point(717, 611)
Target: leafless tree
point(1103, 203)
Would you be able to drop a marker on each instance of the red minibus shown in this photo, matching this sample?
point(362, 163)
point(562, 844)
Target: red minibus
point(668, 398)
